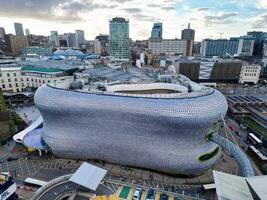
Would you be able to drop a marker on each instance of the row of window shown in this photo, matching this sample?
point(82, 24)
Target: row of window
point(8, 74)
point(32, 80)
point(249, 74)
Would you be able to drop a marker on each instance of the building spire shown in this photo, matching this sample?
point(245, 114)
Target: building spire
point(188, 25)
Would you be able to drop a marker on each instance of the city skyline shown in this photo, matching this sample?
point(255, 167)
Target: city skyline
point(208, 18)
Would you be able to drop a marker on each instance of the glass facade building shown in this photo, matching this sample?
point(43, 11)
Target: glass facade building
point(188, 34)
point(156, 32)
point(19, 29)
point(119, 38)
point(259, 37)
point(219, 47)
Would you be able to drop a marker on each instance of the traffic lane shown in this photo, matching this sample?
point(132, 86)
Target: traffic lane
point(56, 191)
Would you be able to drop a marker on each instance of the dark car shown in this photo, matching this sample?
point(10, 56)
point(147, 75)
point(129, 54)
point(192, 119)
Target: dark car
point(11, 158)
point(150, 194)
point(163, 197)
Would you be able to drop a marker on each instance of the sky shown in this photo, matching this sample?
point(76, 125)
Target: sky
point(210, 18)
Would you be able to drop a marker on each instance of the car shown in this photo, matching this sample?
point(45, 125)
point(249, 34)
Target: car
point(163, 197)
point(150, 194)
point(11, 158)
point(137, 194)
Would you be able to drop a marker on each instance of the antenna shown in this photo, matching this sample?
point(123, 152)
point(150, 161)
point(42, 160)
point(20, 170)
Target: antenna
point(221, 35)
point(188, 25)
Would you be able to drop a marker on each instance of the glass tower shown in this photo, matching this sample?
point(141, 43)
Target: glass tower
point(156, 32)
point(119, 38)
point(19, 29)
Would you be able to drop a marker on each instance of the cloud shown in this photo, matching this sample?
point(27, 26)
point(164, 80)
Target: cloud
point(161, 6)
point(259, 21)
point(132, 10)
point(64, 11)
point(203, 9)
point(219, 19)
point(143, 17)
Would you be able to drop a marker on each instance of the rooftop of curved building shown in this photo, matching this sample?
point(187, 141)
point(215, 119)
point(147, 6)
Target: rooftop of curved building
point(146, 82)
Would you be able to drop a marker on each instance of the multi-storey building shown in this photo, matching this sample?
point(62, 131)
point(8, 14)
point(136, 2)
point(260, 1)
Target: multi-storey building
point(104, 41)
point(79, 37)
point(119, 38)
point(27, 31)
point(19, 29)
point(259, 37)
point(188, 34)
point(16, 43)
point(2, 32)
point(250, 74)
point(156, 32)
point(168, 46)
point(222, 47)
point(97, 47)
point(18, 79)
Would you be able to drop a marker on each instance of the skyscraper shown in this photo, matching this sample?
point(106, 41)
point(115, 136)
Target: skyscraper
point(2, 32)
point(156, 32)
point(104, 40)
point(19, 29)
point(27, 31)
point(188, 33)
point(119, 38)
point(79, 36)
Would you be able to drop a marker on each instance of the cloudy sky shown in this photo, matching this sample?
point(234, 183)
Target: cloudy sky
point(208, 17)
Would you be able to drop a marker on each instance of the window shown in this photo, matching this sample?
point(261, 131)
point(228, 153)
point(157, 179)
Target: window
point(22, 84)
point(8, 74)
point(27, 79)
point(9, 80)
point(2, 80)
point(15, 74)
point(10, 85)
point(17, 85)
point(209, 155)
point(0, 74)
point(15, 79)
point(21, 79)
point(3, 86)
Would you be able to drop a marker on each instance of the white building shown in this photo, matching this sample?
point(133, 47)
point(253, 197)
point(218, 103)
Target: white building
point(97, 47)
point(17, 79)
point(250, 73)
point(168, 46)
point(79, 37)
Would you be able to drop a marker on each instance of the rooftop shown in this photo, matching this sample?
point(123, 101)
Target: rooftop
point(42, 69)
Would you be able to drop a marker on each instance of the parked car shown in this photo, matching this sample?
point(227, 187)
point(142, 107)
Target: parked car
point(11, 158)
point(150, 194)
point(137, 194)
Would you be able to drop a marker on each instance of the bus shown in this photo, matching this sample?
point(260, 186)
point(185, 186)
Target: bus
point(34, 182)
point(254, 140)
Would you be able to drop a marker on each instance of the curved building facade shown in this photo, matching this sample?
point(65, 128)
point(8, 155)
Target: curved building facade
point(166, 133)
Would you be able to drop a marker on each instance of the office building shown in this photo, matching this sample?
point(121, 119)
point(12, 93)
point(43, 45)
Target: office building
point(259, 37)
point(79, 38)
point(27, 32)
point(104, 41)
point(71, 39)
point(16, 43)
point(36, 50)
point(153, 128)
point(168, 46)
point(19, 29)
point(119, 38)
point(156, 32)
point(2, 32)
point(53, 33)
point(224, 47)
point(250, 74)
point(188, 34)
